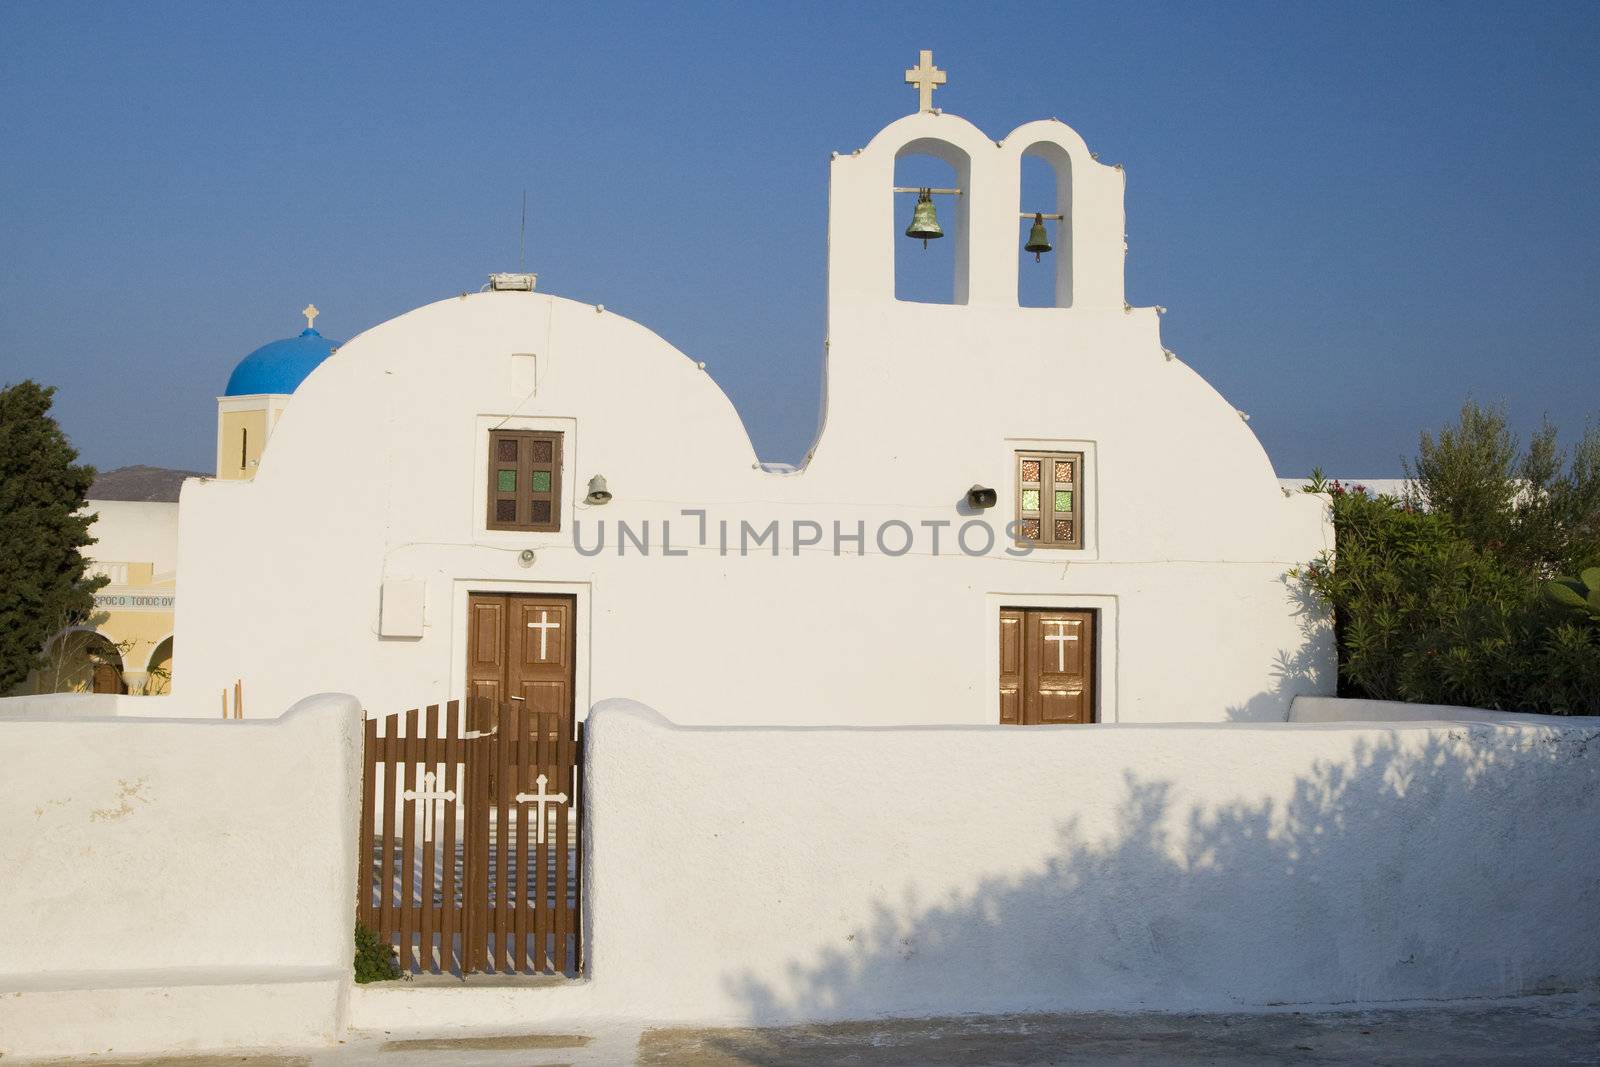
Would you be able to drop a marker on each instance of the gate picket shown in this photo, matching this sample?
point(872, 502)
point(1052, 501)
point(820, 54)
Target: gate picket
point(448, 923)
point(366, 885)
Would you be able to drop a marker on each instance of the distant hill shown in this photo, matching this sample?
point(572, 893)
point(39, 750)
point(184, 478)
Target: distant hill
point(140, 483)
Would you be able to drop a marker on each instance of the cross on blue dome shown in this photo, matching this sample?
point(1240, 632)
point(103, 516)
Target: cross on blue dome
point(280, 366)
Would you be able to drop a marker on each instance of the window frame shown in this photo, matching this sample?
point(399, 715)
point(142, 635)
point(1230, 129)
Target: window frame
point(1046, 488)
point(524, 495)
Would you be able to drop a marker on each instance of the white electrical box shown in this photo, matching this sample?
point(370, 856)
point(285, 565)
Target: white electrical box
point(401, 613)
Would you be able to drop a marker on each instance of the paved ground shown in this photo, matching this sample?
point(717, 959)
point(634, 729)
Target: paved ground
point(1544, 1030)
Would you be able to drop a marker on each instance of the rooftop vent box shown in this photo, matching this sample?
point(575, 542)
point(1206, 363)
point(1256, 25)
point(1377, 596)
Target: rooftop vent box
point(512, 283)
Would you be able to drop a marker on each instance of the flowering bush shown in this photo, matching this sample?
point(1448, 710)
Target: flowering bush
point(1439, 597)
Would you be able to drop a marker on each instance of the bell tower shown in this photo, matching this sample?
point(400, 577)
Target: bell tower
point(258, 391)
point(897, 361)
point(981, 215)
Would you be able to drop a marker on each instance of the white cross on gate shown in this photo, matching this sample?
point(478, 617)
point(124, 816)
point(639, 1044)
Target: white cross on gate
point(544, 626)
point(926, 77)
point(540, 799)
point(1060, 637)
point(425, 798)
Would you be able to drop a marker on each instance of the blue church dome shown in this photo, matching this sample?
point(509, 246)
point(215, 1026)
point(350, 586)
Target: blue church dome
point(280, 367)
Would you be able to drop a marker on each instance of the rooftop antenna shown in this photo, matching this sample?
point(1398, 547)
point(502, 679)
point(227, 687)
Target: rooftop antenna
point(521, 281)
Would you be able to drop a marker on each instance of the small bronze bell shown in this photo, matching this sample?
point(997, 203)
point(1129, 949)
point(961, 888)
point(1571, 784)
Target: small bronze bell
point(924, 220)
point(1038, 239)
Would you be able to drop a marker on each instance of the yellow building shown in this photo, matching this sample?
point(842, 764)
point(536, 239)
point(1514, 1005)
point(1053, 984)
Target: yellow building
point(126, 645)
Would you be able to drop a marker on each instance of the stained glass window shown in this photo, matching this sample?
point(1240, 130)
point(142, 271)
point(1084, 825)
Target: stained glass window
point(524, 480)
point(1051, 477)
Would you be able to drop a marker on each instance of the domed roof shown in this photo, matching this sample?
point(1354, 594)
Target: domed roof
point(280, 367)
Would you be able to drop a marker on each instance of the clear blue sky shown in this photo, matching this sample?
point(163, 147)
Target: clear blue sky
point(1358, 214)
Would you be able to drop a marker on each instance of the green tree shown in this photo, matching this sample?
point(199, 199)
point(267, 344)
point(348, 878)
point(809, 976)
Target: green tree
point(1444, 595)
point(43, 529)
point(1534, 509)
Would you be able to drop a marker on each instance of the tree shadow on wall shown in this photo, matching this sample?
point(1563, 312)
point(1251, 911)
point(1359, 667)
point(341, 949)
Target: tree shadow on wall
point(1309, 667)
point(1425, 865)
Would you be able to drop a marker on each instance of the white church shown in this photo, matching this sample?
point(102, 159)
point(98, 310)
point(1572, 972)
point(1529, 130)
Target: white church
point(1010, 514)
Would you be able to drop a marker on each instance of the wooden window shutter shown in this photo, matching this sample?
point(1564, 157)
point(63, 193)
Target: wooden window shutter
point(524, 481)
point(1049, 497)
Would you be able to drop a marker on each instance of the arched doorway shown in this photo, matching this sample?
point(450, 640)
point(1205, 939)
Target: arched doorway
point(82, 661)
point(158, 674)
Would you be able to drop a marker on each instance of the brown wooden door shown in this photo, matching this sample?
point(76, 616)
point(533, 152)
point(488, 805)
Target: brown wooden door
point(520, 650)
point(108, 679)
point(1046, 666)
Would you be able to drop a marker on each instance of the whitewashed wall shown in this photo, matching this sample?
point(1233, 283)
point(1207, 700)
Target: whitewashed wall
point(170, 885)
point(1344, 709)
point(768, 874)
point(1188, 534)
point(192, 704)
point(138, 531)
point(376, 474)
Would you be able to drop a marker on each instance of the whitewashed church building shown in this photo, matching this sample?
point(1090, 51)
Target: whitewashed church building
point(1010, 514)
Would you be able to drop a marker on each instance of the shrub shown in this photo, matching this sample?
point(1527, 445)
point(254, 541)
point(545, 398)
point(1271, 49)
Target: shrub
point(1443, 596)
point(375, 959)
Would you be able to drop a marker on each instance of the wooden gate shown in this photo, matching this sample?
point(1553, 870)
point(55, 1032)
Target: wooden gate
point(469, 840)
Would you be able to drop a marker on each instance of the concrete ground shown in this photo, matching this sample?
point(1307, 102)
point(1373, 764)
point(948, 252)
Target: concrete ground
point(1543, 1030)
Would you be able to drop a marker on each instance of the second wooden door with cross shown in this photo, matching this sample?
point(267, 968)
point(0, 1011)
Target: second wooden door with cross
point(520, 650)
point(1046, 666)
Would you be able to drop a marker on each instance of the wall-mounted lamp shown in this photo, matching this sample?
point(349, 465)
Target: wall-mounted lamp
point(598, 493)
point(526, 557)
point(981, 496)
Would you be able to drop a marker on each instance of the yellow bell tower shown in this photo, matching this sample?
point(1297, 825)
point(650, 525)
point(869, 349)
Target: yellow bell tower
point(259, 390)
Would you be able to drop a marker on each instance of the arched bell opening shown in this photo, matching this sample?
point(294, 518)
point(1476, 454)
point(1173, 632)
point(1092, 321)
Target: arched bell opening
point(931, 180)
point(1044, 273)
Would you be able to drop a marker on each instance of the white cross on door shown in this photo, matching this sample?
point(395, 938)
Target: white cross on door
point(1060, 638)
point(544, 626)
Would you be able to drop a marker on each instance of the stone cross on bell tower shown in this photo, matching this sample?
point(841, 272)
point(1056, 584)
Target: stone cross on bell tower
point(926, 77)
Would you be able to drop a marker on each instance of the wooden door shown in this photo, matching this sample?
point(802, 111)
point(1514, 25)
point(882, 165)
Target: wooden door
point(520, 651)
point(1046, 666)
point(108, 679)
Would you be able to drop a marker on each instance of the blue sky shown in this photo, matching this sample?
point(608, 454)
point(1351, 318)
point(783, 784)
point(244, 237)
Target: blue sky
point(1358, 214)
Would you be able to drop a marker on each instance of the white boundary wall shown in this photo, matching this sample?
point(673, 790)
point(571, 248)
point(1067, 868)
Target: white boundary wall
point(188, 705)
point(1345, 709)
point(789, 874)
point(174, 885)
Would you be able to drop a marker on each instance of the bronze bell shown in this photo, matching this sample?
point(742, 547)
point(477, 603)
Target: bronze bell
point(924, 220)
point(1038, 239)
